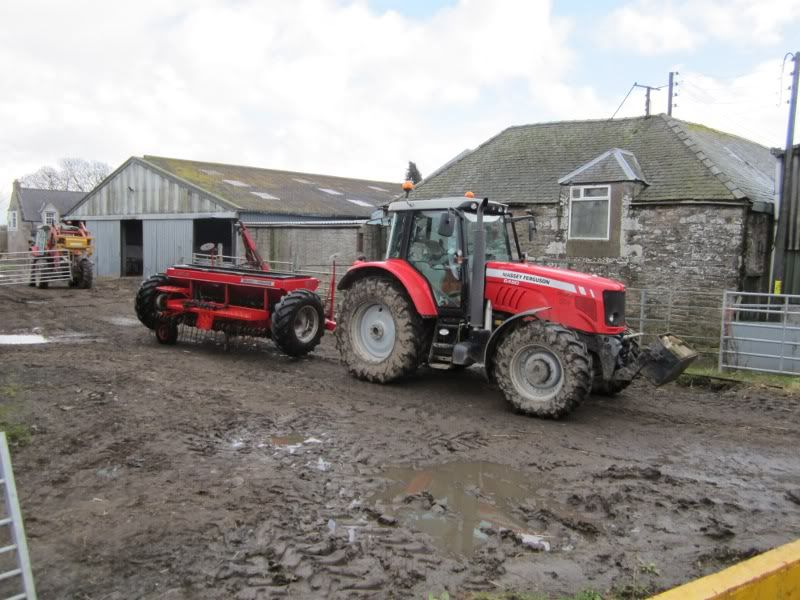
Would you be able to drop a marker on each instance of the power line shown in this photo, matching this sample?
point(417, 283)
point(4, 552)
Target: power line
point(623, 101)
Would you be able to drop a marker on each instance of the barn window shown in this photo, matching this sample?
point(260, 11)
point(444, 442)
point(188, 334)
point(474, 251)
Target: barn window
point(49, 217)
point(359, 242)
point(589, 212)
point(12, 220)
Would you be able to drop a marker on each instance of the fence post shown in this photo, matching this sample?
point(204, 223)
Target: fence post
point(642, 299)
point(669, 309)
point(722, 331)
point(785, 323)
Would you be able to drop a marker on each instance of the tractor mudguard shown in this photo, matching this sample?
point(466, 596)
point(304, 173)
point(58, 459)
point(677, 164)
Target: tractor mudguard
point(488, 355)
point(415, 285)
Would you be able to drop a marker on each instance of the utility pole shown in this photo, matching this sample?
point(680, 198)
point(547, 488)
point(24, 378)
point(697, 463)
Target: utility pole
point(671, 93)
point(786, 181)
point(648, 89)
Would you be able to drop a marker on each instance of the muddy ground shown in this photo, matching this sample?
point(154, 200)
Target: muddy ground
point(192, 472)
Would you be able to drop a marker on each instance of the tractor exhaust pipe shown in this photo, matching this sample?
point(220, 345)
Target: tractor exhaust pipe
point(478, 270)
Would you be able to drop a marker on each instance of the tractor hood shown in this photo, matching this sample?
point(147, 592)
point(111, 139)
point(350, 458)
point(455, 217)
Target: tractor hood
point(552, 277)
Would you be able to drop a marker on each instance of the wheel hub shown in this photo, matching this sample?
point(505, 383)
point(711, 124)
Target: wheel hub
point(306, 324)
point(537, 372)
point(373, 331)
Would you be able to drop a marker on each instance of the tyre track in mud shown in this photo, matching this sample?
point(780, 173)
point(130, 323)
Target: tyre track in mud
point(155, 472)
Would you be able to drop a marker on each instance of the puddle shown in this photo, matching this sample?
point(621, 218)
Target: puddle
point(287, 440)
point(458, 504)
point(122, 321)
point(22, 339)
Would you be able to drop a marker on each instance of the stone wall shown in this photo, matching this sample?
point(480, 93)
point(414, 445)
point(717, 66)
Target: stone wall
point(678, 246)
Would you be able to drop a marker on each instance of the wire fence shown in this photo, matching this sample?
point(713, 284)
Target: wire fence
point(692, 315)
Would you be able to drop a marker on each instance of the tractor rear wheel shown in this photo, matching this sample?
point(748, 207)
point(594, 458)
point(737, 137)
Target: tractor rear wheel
point(85, 274)
point(145, 303)
point(380, 335)
point(167, 332)
point(543, 369)
point(298, 322)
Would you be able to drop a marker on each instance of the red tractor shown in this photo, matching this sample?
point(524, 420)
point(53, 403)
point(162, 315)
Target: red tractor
point(238, 300)
point(449, 294)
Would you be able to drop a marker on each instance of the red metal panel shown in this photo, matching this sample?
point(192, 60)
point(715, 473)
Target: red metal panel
point(414, 283)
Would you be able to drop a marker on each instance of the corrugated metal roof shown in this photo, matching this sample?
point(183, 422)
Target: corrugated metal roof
point(259, 190)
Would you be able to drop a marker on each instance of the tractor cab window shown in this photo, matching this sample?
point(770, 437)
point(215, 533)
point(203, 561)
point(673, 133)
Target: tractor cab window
point(435, 256)
point(497, 244)
point(396, 229)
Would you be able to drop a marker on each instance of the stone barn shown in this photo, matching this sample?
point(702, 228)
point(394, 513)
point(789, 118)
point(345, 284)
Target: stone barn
point(653, 201)
point(153, 212)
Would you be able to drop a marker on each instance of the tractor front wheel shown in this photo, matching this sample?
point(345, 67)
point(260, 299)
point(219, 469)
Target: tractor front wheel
point(297, 322)
point(85, 274)
point(145, 304)
point(167, 332)
point(380, 335)
point(543, 369)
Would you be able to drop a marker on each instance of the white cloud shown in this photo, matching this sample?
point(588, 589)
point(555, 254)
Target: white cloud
point(747, 105)
point(310, 85)
point(656, 27)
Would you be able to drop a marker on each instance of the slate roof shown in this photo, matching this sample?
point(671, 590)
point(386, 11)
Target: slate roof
point(681, 161)
point(251, 189)
point(32, 201)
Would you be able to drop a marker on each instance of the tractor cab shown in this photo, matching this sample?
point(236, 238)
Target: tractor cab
point(438, 239)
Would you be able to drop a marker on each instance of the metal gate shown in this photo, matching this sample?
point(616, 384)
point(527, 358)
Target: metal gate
point(20, 268)
point(16, 577)
point(760, 332)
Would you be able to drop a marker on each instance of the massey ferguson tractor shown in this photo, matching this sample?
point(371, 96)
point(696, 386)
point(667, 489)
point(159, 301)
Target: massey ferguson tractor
point(60, 249)
point(237, 300)
point(449, 294)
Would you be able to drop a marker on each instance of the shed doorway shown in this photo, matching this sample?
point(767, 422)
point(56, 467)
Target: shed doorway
point(131, 251)
point(216, 231)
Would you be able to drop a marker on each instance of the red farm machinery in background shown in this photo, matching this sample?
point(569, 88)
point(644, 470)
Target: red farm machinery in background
point(245, 299)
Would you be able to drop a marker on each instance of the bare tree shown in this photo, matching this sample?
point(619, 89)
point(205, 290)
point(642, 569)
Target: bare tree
point(72, 174)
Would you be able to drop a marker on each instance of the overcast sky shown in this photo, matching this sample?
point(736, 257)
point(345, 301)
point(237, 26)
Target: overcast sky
point(359, 87)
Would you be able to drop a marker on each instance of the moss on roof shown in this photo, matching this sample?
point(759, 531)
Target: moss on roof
point(257, 190)
point(680, 161)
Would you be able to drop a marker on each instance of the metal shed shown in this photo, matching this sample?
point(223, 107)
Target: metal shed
point(153, 212)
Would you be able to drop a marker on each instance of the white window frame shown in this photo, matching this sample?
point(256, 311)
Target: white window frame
point(581, 189)
point(45, 217)
point(13, 220)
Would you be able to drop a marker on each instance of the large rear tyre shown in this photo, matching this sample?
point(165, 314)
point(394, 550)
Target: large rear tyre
point(380, 335)
point(85, 274)
point(298, 322)
point(145, 304)
point(543, 369)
